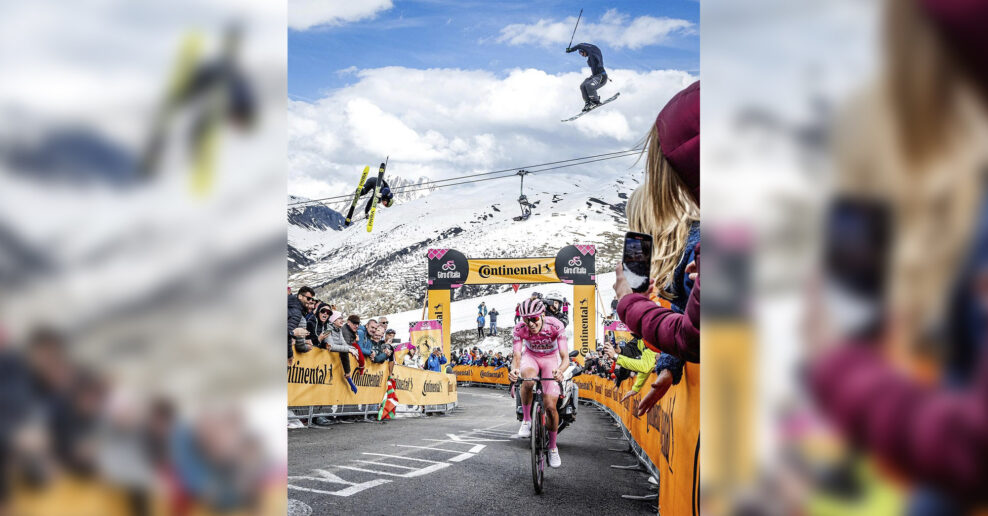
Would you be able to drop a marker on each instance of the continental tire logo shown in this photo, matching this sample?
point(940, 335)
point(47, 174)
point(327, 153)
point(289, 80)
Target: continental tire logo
point(310, 375)
point(404, 384)
point(369, 380)
point(428, 387)
point(584, 327)
point(485, 374)
point(486, 271)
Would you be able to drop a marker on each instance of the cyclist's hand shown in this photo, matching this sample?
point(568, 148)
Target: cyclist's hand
point(513, 375)
point(557, 374)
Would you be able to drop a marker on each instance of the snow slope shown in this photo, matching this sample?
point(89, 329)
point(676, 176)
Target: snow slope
point(385, 271)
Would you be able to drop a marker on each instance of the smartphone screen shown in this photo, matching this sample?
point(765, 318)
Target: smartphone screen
point(637, 260)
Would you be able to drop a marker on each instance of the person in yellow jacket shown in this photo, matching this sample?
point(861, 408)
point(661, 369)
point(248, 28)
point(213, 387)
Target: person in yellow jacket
point(642, 365)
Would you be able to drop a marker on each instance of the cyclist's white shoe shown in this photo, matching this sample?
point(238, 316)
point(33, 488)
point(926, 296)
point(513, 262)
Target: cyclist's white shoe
point(526, 429)
point(554, 458)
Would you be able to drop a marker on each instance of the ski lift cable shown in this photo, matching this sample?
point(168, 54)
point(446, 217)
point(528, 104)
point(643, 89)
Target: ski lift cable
point(429, 187)
point(616, 154)
point(436, 183)
point(512, 169)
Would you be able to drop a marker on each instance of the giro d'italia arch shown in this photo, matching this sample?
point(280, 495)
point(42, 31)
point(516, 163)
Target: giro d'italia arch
point(573, 264)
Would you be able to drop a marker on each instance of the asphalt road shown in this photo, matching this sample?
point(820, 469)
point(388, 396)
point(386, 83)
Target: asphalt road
point(462, 463)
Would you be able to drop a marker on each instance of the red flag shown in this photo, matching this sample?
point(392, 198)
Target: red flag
point(390, 401)
point(360, 359)
point(515, 286)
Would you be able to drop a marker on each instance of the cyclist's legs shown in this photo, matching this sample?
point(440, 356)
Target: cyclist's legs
point(529, 369)
point(550, 389)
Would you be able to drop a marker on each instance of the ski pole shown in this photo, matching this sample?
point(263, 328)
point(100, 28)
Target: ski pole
point(574, 29)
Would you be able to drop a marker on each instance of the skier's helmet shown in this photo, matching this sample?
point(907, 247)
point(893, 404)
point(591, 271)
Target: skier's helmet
point(387, 197)
point(531, 308)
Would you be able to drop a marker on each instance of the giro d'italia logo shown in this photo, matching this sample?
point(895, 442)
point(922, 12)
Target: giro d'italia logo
point(575, 261)
point(449, 266)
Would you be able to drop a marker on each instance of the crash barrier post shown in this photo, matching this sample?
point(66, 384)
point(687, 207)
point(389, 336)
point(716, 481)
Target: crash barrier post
point(666, 439)
point(317, 387)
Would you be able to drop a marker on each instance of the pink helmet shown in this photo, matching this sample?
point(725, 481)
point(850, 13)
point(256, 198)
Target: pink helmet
point(531, 307)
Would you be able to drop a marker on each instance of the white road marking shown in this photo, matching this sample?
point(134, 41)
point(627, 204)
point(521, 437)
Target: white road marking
point(386, 460)
point(411, 474)
point(383, 464)
point(402, 457)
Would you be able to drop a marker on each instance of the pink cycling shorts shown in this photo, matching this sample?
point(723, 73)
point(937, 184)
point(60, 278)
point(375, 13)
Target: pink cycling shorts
point(544, 364)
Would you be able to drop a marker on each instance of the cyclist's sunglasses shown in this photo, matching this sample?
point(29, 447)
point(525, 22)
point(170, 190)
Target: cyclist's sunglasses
point(532, 319)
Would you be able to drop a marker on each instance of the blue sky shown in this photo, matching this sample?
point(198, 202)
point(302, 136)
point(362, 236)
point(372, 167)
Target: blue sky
point(464, 35)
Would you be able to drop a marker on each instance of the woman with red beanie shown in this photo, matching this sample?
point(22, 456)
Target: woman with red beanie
point(672, 178)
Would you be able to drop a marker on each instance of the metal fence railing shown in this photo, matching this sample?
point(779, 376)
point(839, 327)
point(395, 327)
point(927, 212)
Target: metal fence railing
point(367, 410)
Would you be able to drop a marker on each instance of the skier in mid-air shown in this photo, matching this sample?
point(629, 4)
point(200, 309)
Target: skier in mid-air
point(387, 197)
point(598, 76)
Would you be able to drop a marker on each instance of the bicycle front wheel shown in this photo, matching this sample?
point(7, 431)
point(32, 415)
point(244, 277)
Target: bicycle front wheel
point(538, 445)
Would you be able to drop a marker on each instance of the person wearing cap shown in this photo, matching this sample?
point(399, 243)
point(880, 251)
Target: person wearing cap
point(671, 192)
point(387, 196)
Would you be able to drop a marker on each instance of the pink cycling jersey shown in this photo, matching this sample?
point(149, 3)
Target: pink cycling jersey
point(548, 340)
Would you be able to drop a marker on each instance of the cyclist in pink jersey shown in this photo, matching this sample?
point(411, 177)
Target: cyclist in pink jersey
point(540, 349)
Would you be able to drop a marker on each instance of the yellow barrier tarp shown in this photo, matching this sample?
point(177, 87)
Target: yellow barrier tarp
point(316, 378)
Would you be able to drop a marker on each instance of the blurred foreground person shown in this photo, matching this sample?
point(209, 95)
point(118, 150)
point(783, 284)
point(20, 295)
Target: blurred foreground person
point(900, 363)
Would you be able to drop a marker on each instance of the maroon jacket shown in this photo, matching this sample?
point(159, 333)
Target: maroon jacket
point(663, 329)
point(932, 435)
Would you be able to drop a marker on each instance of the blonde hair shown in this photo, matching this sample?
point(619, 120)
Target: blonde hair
point(915, 142)
point(662, 207)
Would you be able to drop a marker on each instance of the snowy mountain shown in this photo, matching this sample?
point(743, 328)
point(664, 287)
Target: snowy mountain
point(385, 271)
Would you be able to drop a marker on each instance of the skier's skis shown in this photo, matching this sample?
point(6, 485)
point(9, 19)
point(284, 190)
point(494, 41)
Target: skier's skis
point(591, 109)
point(356, 195)
point(377, 196)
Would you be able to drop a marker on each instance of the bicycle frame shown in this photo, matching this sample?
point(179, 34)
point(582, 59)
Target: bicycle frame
point(540, 436)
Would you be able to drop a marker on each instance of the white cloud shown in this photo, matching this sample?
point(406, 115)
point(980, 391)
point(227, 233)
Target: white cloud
point(305, 14)
point(442, 123)
point(615, 29)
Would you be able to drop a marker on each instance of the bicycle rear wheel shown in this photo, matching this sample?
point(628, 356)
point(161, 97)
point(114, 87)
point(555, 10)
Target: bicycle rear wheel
point(538, 445)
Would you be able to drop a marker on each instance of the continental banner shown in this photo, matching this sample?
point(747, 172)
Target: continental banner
point(481, 374)
point(511, 270)
point(438, 300)
point(584, 314)
point(418, 387)
point(316, 378)
point(669, 433)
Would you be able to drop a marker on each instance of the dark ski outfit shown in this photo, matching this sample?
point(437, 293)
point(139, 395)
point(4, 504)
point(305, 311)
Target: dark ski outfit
point(369, 186)
point(598, 76)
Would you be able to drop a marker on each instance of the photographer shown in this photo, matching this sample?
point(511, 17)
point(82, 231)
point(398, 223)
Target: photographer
point(435, 361)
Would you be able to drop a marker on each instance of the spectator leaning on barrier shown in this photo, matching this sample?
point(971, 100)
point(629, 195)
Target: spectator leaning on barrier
point(318, 326)
point(336, 342)
point(666, 207)
point(411, 359)
point(355, 335)
point(296, 314)
point(435, 361)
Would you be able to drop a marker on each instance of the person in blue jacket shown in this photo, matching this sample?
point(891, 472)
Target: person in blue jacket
point(598, 76)
point(435, 361)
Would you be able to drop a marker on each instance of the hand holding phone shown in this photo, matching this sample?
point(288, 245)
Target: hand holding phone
point(637, 260)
